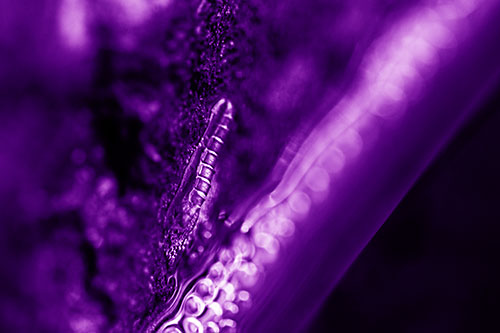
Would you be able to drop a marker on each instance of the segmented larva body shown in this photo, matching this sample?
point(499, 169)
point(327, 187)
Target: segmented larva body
point(191, 195)
point(206, 167)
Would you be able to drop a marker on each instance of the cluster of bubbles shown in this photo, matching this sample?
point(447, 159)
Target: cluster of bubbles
point(218, 297)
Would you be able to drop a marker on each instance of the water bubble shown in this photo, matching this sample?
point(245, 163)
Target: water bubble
point(194, 305)
point(299, 202)
point(216, 271)
point(192, 325)
point(243, 246)
point(247, 274)
point(226, 256)
point(267, 242)
point(205, 288)
point(332, 160)
point(285, 227)
point(317, 179)
point(265, 224)
point(216, 309)
point(229, 290)
point(350, 142)
point(231, 307)
point(212, 327)
point(244, 296)
point(228, 325)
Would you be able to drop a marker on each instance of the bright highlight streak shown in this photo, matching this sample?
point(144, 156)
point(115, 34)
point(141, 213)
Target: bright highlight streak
point(72, 23)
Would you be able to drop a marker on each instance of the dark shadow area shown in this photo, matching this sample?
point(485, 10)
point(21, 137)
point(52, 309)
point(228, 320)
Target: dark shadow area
point(433, 267)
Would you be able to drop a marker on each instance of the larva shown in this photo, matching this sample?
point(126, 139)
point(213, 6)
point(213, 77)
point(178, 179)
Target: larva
point(196, 183)
point(211, 146)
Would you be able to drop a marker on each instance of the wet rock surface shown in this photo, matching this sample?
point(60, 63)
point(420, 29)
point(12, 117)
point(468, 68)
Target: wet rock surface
point(99, 130)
